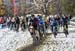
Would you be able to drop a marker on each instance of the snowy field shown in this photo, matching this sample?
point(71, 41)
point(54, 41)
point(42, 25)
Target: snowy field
point(10, 40)
point(60, 43)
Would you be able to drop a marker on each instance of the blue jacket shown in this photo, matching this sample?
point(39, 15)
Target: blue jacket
point(65, 20)
point(41, 21)
point(53, 22)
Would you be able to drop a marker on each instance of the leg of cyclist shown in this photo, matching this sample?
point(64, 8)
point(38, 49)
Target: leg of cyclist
point(66, 29)
point(55, 31)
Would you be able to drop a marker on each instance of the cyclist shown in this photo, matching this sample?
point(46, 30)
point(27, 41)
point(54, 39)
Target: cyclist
point(53, 24)
point(34, 23)
point(42, 25)
point(65, 24)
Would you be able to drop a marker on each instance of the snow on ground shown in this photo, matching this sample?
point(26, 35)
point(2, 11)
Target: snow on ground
point(10, 40)
point(60, 43)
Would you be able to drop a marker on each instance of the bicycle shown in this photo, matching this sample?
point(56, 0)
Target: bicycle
point(34, 33)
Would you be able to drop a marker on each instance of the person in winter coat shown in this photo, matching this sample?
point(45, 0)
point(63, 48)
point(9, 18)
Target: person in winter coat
point(65, 24)
point(34, 21)
point(42, 25)
point(65, 21)
point(1, 20)
point(8, 22)
point(12, 27)
point(51, 21)
point(22, 23)
point(33, 26)
point(53, 24)
point(58, 21)
point(17, 23)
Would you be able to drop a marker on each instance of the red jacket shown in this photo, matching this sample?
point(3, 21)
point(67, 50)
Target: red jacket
point(1, 20)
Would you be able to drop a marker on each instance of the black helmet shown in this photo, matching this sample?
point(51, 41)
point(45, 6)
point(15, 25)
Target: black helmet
point(32, 15)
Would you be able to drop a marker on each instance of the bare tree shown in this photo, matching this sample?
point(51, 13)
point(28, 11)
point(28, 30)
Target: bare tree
point(42, 5)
